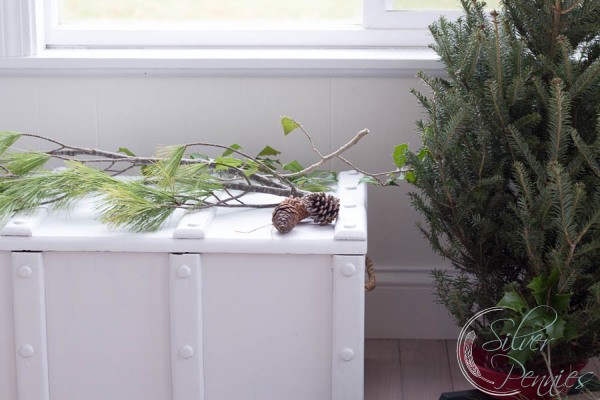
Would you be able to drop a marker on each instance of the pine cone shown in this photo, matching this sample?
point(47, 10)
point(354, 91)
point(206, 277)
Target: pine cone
point(322, 208)
point(288, 213)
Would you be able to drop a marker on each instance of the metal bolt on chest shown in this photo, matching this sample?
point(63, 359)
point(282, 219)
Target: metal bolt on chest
point(214, 306)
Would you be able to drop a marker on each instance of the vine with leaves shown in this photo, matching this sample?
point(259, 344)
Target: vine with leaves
point(175, 178)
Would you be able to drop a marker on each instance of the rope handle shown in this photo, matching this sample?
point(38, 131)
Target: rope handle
point(372, 282)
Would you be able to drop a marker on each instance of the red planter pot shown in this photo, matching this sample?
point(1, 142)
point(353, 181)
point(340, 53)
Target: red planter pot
point(530, 387)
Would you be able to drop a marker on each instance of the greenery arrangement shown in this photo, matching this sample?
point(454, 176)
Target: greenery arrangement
point(173, 179)
point(508, 176)
point(509, 172)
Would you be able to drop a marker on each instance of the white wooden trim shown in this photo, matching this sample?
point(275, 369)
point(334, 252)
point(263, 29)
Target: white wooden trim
point(347, 354)
point(194, 225)
point(30, 326)
point(408, 276)
point(226, 62)
point(24, 224)
point(351, 223)
point(19, 23)
point(185, 283)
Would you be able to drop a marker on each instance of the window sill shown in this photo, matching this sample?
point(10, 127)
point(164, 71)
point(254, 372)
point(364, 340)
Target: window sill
point(226, 62)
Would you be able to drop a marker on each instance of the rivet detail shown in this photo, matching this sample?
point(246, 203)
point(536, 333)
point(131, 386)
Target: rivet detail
point(24, 272)
point(348, 270)
point(184, 272)
point(193, 224)
point(353, 187)
point(186, 352)
point(18, 222)
point(350, 205)
point(349, 226)
point(347, 354)
point(26, 351)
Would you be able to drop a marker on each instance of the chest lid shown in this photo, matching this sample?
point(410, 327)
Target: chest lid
point(214, 230)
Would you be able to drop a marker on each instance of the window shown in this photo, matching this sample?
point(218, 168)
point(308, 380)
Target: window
point(187, 23)
point(271, 37)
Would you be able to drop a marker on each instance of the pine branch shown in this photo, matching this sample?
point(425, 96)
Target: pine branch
point(169, 180)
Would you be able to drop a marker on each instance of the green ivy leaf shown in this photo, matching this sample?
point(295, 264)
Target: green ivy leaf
point(542, 285)
point(231, 149)
point(268, 151)
point(400, 155)
point(316, 187)
point(227, 162)
point(423, 153)
point(199, 156)
point(293, 167)
point(250, 168)
point(369, 180)
point(538, 284)
point(289, 125)
point(560, 303)
point(410, 177)
point(556, 330)
point(514, 301)
point(522, 356)
point(125, 151)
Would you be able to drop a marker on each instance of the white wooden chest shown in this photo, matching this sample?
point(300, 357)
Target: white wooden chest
point(215, 306)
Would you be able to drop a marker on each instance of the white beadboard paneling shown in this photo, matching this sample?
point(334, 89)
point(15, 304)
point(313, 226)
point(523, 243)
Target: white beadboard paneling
point(267, 322)
point(394, 238)
point(384, 106)
point(139, 113)
point(8, 375)
point(265, 100)
point(403, 306)
point(389, 111)
point(19, 109)
point(18, 104)
point(108, 326)
point(212, 109)
point(68, 110)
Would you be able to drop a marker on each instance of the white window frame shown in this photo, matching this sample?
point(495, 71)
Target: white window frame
point(381, 28)
point(380, 14)
point(21, 28)
point(391, 43)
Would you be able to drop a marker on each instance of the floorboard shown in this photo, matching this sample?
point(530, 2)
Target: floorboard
point(459, 382)
point(382, 370)
point(422, 370)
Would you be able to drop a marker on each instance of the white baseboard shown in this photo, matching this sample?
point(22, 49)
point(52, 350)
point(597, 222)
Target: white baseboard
point(403, 307)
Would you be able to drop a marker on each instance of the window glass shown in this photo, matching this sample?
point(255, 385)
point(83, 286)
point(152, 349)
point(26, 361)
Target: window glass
point(435, 4)
point(318, 12)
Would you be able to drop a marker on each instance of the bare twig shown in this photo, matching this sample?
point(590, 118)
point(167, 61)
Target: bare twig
point(262, 189)
point(375, 176)
point(328, 157)
point(309, 137)
point(228, 178)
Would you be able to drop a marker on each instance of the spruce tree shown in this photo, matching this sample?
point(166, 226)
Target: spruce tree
point(509, 175)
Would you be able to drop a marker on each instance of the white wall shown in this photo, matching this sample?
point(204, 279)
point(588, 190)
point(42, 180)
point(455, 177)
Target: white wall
point(141, 112)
